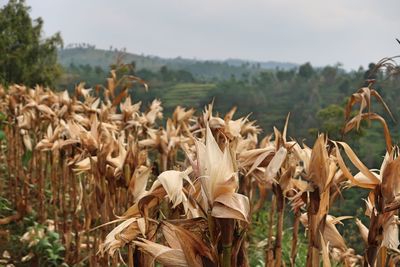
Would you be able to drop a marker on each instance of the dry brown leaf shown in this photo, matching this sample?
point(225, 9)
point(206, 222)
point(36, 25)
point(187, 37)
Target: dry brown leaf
point(363, 230)
point(233, 206)
point(172, 181)
point(275, 164)
point(325, 252)
point(318, 171)
point(192, 246)
point(163, 254)
point(372, 179)
point(138, 182)
point(390, 179)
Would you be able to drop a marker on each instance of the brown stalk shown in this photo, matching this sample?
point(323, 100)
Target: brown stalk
point(131, 262)
point(74, 215)
point(38, 168)
point(25, 179)
point(63, 194)
point(211, 228)
point(227, 227)
point(293, 252)
point(375, 229)
point(54, 188)
point(280, 206)
point(10, 162)
point(269, 257)
point(313, 247)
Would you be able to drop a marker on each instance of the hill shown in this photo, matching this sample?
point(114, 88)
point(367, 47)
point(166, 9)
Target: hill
point(200, 69)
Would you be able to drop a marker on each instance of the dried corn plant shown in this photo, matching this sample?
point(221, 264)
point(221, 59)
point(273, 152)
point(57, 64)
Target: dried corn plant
point(123, 189)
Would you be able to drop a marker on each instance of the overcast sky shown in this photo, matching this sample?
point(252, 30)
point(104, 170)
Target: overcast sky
point(352, 32)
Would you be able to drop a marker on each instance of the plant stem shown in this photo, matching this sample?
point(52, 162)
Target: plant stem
point(211, 227)
point(227, 227)
point(226, 255)
point(294, 239)
point(280, 204)
point(131, 262)
point(269, 258)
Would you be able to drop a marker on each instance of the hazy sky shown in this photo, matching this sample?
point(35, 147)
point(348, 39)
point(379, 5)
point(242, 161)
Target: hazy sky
point(353, 32)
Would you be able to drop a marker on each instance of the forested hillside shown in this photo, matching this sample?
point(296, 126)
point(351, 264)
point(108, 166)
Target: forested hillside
point(85, 54)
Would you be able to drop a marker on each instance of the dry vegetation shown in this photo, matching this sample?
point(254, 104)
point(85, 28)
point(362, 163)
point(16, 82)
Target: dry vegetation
point(120, 189)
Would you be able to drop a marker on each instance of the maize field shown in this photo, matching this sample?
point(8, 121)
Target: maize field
point(122, 186)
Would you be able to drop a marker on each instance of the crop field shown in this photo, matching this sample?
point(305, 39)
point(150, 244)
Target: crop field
point(96, 179)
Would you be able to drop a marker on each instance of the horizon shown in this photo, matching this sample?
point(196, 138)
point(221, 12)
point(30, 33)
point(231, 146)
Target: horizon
point(296, 65)
point(76, 46)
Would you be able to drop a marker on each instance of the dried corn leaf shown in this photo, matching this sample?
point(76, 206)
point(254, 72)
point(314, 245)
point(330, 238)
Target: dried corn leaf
point(192, 245)
point(363, 230)
point(172, 181)
point(275, 164)
point(232, 206)
point(325, 252)
point(372, 179)
point(163, 254)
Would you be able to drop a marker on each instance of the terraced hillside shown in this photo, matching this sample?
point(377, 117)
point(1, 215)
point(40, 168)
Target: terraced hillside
point(187, 94)
point(191, 95)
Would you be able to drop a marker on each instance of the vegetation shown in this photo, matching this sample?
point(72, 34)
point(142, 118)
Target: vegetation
point(86, 54)
point(111, 179)
point(91, 177)
point(26, 57)
point(315, 97)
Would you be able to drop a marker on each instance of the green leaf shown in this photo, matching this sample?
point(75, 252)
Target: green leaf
point(26, 158)
point(60, 248)
point(44, 243)
point(53, 235)
point(2, 116)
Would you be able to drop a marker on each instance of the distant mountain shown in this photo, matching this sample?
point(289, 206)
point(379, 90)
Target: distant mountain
point(202, 69)
point(267, 65)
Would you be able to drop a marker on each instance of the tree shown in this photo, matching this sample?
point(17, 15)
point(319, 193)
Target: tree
point(306, 70)
point(284, 75)
point(330, 74)
point(26, 57)
point(371, 72)
point(165, 74)
point(330, 120)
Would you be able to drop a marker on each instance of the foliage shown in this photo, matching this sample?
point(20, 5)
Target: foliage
point(45, 244)
point(306, 70)
point(26, 57)
point(315, 101)
point(5, 207)
point(185, 191)
point(260, 223)
point(2, 120)
point(83, 54)
point(31, 243)
point(331, 119)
